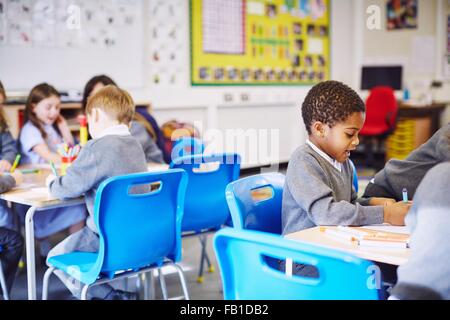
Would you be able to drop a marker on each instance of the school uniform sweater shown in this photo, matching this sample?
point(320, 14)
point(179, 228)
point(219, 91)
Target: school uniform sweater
point(429, 222)
point(8, 146)
point(151, 150)
point(115, 153)
point(317, 193)
point(399, 174)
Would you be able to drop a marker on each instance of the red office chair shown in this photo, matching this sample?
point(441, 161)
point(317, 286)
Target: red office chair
point(381, 115)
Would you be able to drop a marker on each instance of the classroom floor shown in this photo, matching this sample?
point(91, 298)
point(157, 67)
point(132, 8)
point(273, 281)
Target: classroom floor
point(210, 289)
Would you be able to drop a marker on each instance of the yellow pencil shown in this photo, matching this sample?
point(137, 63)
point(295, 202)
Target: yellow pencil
point(16, 162)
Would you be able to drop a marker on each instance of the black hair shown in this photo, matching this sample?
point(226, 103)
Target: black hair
point(330, 102)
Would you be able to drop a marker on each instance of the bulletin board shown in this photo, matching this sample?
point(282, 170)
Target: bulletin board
point(260, 42)
point(66, 42)
point(167, 43)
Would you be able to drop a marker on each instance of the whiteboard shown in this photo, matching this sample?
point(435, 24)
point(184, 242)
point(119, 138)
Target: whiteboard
point(66, 42)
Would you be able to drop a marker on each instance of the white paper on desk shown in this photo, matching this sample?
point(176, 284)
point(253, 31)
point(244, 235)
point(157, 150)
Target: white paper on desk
point(45, 166)
point(41, 191)
point(24, 185)
point(384, 227)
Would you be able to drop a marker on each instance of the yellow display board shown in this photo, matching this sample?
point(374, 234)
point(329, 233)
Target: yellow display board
point(259, 42)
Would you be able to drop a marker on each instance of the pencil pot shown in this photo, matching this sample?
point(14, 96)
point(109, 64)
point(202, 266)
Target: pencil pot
point(65, 163)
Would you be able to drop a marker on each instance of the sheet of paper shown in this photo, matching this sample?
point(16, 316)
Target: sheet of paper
point(24, 185)
point(388, 228)
point(43, 191)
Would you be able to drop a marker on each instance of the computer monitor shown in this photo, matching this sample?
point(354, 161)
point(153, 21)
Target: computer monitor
point(373, 76)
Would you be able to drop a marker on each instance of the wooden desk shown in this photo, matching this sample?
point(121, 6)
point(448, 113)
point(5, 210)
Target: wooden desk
point(415, 126)
point(432, 112)
point(39, 199)
point(314, 236)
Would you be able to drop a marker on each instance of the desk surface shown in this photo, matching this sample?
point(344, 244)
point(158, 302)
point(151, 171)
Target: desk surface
point(389, 256)
point(33, 192)
point(415, 105)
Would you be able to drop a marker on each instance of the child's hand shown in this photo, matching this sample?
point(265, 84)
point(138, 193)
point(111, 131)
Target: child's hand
point(5, 166)
point(381, 201)
point(49, 179)
point(17, 175)
point(64, 129)
point(395, 213)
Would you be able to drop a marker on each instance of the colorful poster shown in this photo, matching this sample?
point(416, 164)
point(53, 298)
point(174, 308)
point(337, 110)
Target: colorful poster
point(167, 43)
point(401, 14)
point(68, 23)
point(260, 42)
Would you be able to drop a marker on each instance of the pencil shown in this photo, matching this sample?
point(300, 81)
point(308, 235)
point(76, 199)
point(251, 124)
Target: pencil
point(53, 168)
point(27, 171)
point(405, 195)
point(16, 162)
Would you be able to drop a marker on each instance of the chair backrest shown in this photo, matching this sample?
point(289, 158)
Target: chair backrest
point(186, 146)
point(205, 206)
point(355, 175)
point(255, 202)
point(139, 220)
point(246, 274)
point(381, 110)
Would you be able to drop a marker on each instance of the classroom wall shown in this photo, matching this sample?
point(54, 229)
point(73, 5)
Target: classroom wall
point(445, 92)
point(407, 46)
point(272, 114)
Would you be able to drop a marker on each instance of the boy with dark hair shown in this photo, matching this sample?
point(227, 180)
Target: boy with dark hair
point(318, 188)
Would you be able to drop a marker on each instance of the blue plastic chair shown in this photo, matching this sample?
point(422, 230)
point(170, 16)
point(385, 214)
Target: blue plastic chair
point(355, 175)
point(3, 280)
point(205, 208)
point(255, 202)
point(246, 275)
point(138, 217)
point(186, 146)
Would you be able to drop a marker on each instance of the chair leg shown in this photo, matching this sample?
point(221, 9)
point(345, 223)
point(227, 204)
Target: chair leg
point(202, 259)
point(3, 283)
point(45, 282)
point(162, 282)
point(182, 280)
point(204, 242)
point(208, 262)
point(84, 292)
point(149, 285)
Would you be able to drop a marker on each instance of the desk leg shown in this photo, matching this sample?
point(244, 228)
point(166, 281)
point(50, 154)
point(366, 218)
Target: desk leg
point(31, 262)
